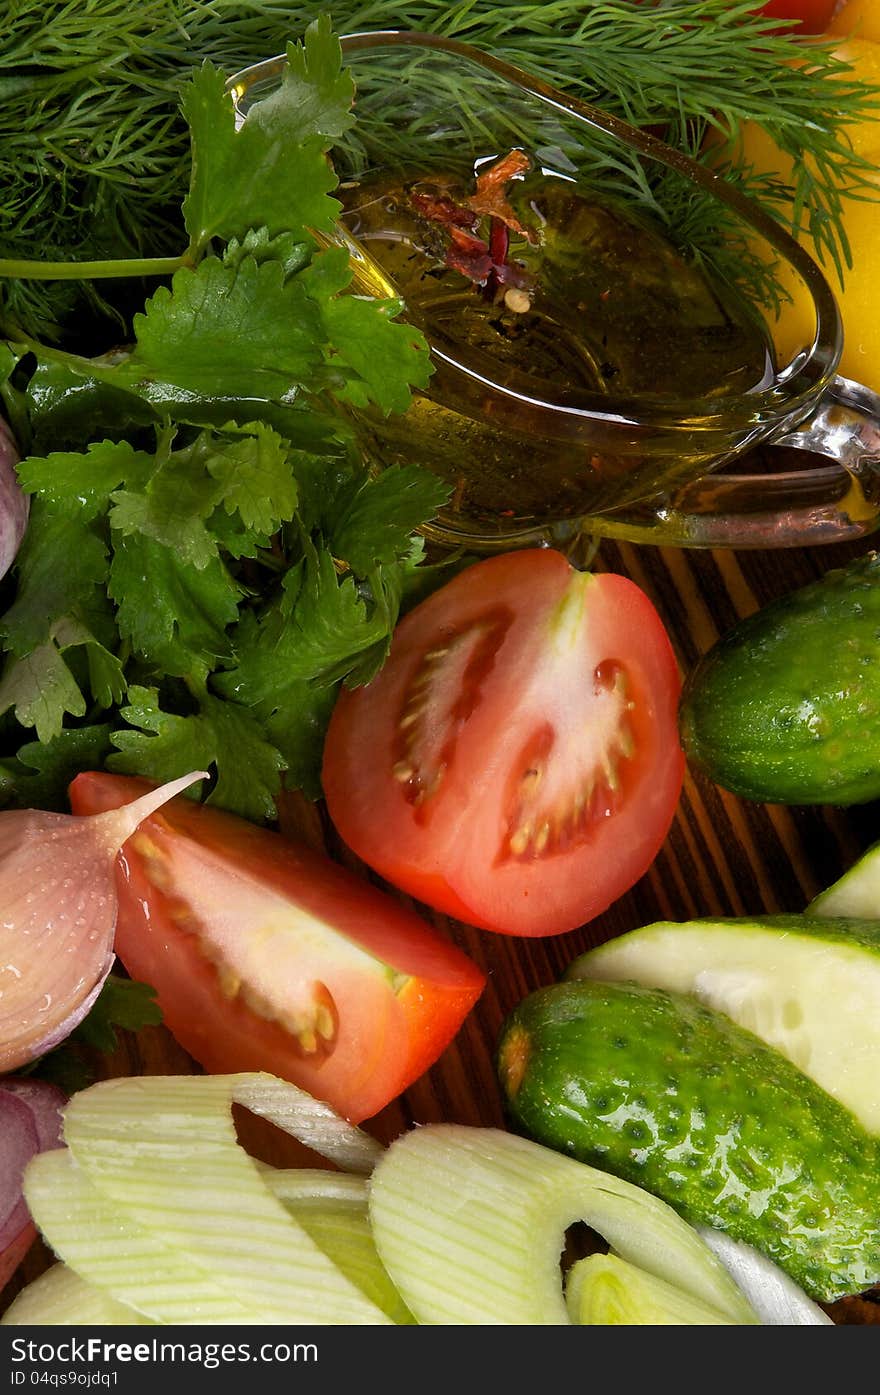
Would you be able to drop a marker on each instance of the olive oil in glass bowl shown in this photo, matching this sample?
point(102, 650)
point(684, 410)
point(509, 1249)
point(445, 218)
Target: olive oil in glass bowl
point(589, 303)
point(591, 374)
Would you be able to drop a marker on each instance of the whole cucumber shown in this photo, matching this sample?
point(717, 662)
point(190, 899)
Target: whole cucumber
point(786, 706)
point(678, 1099)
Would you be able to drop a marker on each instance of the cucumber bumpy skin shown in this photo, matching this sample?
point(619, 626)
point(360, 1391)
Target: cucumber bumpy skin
point(785, 707)
point(676, 1098)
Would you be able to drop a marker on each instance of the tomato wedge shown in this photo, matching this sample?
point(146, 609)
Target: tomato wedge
point(516, 762)
point(268, 956)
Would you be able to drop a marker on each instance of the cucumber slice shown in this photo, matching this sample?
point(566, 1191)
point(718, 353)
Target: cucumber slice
point(470, 1224)
point(806, 985)
point(856, 893)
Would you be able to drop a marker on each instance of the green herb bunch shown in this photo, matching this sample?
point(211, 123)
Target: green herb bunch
point(94, 148)
point(94, 151)
point(207, 558)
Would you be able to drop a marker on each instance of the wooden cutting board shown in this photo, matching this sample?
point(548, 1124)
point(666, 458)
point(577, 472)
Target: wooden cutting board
point(723, 856)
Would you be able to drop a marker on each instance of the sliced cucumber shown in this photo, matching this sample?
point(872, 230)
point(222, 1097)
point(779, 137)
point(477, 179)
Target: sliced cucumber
point(806, 985)
point(856, 893)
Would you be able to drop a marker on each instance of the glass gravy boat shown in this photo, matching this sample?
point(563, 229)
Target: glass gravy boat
point(645, 402)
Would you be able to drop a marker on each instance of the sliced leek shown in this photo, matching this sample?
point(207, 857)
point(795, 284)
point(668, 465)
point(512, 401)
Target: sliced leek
point(164, 1152)
point(62, 1298)
point(116, 1254)
point(470, 1224)
point(332, 1208)
point(607, 1291)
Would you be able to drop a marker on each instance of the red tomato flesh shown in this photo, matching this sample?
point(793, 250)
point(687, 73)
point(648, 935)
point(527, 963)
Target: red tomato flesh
point(269, 956)
point(516, 762)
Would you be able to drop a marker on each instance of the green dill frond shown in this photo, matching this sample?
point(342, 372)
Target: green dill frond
point(94, 154)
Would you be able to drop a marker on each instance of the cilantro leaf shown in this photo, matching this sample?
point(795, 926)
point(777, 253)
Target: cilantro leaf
point(106, 679)
point(381, 359)
point(172, 505)
point(208, 557)
point(81, 482)
point(248, 765)
point(318, 89)
point(61, 565)
point(174, 614)
point(166, 744)
point(221, 734)
point(317, 625)
point(37, 778)
point(297, 727)
point(272, 170)
point(252, 468)
point(374, 525)
point(375, 360)
point(286, 248)
point(222, 329)
point(41, 689)
point(122, 1004)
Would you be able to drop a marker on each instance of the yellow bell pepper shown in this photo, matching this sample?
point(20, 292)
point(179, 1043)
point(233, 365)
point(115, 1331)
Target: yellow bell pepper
point(859, 296)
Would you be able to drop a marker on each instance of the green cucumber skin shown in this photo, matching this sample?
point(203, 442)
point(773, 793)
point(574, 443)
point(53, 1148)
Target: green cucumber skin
point(679, 1100)
point(786, 706)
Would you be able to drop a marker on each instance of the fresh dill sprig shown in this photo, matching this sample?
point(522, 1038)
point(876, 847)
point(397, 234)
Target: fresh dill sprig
point(94, 153)
point(94, 150)
point(683, 68)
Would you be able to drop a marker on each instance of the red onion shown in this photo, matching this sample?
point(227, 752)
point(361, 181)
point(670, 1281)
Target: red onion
point(30, 1121)
point(14, 503)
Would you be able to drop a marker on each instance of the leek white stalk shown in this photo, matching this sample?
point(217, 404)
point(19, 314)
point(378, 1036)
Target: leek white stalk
point(163, 1153)
point(470, 1224)
point(62, 1298)
point(606, 1291)
point(776, 1298)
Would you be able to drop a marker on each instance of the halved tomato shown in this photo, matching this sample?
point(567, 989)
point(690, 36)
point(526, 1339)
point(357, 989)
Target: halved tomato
point(269, 956)
point(516, 762)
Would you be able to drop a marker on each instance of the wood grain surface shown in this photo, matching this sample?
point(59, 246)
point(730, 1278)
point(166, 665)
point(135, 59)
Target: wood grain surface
point(723, 856)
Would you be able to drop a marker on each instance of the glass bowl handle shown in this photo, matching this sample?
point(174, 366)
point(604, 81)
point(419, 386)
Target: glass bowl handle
point(835, 499)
